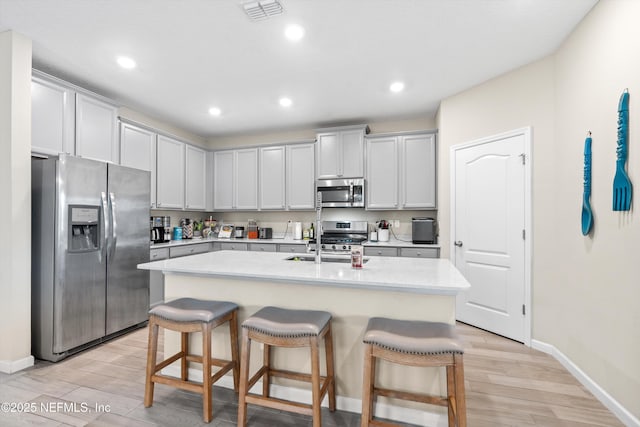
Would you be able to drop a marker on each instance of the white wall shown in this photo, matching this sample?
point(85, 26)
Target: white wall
point(585, 289)
point(15, 193)
point(161, 126)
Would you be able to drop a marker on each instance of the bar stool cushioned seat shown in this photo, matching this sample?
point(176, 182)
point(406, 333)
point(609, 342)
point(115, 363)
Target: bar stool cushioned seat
point(414, 343)
point(186, 315)
point(281, 327)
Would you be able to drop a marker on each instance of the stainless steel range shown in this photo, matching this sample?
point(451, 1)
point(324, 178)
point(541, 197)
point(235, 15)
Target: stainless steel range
point(339, 236)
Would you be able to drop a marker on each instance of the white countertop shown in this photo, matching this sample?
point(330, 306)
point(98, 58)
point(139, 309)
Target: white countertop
point(415, 275)
point(402, 242)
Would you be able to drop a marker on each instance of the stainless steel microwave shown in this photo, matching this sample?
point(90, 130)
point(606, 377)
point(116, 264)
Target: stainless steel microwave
point(341, 193)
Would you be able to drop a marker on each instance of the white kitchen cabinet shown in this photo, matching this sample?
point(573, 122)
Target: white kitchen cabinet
point(195, 178)
point(52, 117)
point(170, 173)
point(223, 180)
point(401, 172)
point(418, 171)
point(340, 152)
point(300, 185)
point(138, 150)
point(235, 185)
point(382, 173)
point(209, 177)
point(272, 177)
point(246, 179)
point(96, 129)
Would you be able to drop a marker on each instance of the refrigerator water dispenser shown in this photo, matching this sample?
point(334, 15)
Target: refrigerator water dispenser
point(83, 228)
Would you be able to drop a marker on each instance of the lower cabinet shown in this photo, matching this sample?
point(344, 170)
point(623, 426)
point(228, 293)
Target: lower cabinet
point(294, 249)
point(262, 247)
point(156, 278)
point(233, 246)
point(189, 250)
point(402, 252)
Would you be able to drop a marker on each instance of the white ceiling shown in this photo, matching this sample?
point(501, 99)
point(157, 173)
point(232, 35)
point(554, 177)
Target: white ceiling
point(194, 54)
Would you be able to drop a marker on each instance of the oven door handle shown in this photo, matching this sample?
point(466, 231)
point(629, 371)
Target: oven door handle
point(351, 197)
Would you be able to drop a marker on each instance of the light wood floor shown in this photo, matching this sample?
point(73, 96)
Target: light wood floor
point(508, 384)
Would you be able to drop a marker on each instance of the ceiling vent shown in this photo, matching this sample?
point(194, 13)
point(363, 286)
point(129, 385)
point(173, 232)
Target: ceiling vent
point(263, 9)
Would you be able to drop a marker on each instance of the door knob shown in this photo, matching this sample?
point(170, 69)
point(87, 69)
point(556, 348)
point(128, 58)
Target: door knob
point(458, 243)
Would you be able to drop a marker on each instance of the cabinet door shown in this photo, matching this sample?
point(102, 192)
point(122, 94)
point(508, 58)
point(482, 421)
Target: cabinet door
point(246, 179)
point(52, 118)
point(382, 173)
point(170, 172)
point(138, 150)
point(418, 169)
point(96, 129)
point(329, 156)
point(208, 186)
point(195, 175)
point(352, 158)
point(272, 177)
point(223, 180)
point(301, 176)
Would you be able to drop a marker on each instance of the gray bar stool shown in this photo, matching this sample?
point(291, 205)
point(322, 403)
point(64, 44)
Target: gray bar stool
point(186, 315)
point(414, 343)
point(280, 327)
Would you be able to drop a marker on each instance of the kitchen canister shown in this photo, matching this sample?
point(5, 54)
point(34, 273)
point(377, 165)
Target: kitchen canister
point(187, 228)
point(383, 234)
point(177, 233)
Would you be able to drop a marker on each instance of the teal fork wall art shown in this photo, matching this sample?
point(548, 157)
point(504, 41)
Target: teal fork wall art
point(621, 183)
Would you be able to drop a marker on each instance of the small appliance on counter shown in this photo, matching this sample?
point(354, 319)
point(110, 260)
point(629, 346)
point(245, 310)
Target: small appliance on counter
point(166, 223)
point(265, 233)
point(424, 230)
point(239, 232)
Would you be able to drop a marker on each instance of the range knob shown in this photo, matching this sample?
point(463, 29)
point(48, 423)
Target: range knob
point(323, 247)
point(333, 247)
point(344, 247)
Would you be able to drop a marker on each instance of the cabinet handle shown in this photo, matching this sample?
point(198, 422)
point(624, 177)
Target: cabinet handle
point(419, 253)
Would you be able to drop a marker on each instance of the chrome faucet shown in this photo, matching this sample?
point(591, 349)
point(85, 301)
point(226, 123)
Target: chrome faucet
point(318, 235)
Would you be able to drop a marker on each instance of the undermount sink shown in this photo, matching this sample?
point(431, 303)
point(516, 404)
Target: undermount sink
point(345, 260)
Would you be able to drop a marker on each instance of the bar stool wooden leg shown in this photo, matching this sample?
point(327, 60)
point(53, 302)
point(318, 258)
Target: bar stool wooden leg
point(315, 382)
point(151, 362)
point(451, 393)
point(244, 378)
point(207, 407)
point(235, 357)
point(184, 363)
point(328, 344)
point(266, 377)
point(461, 398)
point(367, 386)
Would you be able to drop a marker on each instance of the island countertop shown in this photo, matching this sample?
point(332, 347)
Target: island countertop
point(414, 275)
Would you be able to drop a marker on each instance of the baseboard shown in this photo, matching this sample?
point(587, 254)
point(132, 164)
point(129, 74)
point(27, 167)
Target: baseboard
point(348, 404)
point(11, 366)
point(626, 417)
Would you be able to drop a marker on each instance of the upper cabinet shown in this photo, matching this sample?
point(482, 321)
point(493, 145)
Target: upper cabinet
point(68, 119)
point(340, 152)
point(138, 150)
point(272, 177)
point(170, 173)
point(96, 129)
point(235, 184)
point(300, 184)
point(401, 171)
point(52, 117)
point(195, 178)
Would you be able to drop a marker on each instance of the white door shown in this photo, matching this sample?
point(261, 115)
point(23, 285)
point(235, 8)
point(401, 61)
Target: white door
point(138, 150)
point(489, 217)
point(301, 188)
point(195, 178)
point(382, 173)
point(170, 173)
point(272, 177)
point(96, 129)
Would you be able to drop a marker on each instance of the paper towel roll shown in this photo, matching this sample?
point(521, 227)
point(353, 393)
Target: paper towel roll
point(297, 231)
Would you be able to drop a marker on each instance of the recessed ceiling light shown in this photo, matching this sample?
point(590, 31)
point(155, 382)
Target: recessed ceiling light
point(294, 32)
point(215, 111)
point(396, 87)
point(126, 62)
point(286, 102)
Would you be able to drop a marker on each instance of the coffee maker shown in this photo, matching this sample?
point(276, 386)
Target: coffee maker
point(160, 230)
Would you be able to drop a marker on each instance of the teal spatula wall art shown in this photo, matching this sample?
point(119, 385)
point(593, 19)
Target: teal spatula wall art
point(587, 215)
point(622, 188)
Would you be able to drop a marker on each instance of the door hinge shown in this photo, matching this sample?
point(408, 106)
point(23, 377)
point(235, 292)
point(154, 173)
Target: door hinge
point(523, 157)
point(524, 234)
point(523, 310)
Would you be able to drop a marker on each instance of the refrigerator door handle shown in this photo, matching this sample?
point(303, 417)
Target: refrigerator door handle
point(105, 227)
point(114, 226)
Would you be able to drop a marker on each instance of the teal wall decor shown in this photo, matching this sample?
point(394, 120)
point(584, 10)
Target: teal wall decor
point(622, 188)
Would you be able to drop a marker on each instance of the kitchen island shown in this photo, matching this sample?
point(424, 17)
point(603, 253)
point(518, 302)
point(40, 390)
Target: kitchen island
point(404, 288)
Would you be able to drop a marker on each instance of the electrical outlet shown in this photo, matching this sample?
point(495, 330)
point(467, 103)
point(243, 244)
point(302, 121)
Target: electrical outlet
point(396, 223)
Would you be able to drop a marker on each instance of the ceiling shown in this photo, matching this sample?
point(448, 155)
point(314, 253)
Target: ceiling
point(195, 54)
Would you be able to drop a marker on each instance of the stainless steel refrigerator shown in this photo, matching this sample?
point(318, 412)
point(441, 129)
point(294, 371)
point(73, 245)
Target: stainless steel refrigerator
point(90, 228)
